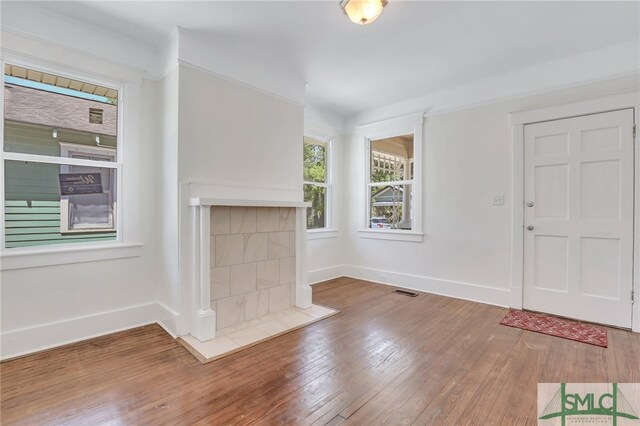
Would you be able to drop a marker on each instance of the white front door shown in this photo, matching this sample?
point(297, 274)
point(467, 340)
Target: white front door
point(578, 237)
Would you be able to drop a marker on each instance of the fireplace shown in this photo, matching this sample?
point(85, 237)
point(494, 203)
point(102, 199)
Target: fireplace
point(250, 261)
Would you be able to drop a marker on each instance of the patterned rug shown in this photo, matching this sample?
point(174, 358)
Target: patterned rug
point(567, 329)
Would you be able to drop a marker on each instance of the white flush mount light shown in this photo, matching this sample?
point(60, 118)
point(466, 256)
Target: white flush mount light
point(363, 12)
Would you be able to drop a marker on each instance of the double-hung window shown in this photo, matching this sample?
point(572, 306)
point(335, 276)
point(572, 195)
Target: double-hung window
point(393, 179)
point(391, 183)
point(316, 183)
point(60, 159)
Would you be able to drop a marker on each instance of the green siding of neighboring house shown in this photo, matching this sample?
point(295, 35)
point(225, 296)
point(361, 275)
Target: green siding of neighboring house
point(32, 194)
point(38, 223)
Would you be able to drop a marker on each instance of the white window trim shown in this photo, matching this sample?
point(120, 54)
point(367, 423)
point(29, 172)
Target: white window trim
point(37, 256)
point(67, 148)
point(328, 231)
point(385, 129)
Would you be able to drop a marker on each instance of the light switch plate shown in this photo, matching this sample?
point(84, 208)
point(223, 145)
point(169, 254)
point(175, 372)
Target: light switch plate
point(497, 200)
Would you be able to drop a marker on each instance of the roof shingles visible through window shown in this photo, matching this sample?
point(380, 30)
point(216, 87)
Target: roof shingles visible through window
point(28, 105)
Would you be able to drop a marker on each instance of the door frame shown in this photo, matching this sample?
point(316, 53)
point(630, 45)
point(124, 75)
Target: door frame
point(556, 112)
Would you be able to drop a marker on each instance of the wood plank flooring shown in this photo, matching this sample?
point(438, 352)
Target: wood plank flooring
point(385, 359)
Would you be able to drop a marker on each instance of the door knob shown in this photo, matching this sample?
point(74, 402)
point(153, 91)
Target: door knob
point(530, 204)
point(530, 227)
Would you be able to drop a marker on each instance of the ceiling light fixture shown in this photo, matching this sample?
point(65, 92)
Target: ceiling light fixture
point(363, 12)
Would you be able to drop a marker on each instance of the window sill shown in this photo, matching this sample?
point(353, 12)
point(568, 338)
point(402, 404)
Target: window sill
point(35, 257)
point(318, 234)
point(382, 234)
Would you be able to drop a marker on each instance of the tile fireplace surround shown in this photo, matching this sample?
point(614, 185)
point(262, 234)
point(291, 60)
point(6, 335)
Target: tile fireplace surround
point(253, 261)
point(249, 262)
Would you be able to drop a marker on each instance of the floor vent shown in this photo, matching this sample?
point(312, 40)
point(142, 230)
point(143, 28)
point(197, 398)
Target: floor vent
point(406, 293)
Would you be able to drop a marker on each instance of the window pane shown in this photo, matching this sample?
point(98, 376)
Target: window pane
point(391, 207)
point(392, 159)
point(317, 196)
point(37, 214)
point(315, 160)
point(91, 211)
point(42, 110)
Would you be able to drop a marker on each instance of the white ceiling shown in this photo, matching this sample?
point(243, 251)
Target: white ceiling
point(414, 49)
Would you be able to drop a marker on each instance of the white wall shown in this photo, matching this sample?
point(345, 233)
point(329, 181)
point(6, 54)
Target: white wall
point(165, 156)
point(192, 133)
point(325, 247)
point(234, 136)
point(234, 142)
point(467, 243)
point(195, 133)
point(52, 305)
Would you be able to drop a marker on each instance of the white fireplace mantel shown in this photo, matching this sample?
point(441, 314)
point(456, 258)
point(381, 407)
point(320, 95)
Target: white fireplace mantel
point(204, 318)
point(246, 203)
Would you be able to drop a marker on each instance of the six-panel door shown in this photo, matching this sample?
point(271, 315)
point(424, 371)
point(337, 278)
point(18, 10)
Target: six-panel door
point(578, 241)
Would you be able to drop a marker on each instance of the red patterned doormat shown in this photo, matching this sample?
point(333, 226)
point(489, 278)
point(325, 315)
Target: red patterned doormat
point(567, 329)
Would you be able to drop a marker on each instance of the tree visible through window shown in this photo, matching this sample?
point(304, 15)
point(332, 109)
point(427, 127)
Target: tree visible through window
point(316, 186)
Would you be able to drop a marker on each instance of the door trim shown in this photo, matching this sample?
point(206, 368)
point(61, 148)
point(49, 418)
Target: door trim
point(557, 112)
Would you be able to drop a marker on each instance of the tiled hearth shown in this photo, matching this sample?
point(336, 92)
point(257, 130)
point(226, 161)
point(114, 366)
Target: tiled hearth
point(233, 339)
point(253, 260)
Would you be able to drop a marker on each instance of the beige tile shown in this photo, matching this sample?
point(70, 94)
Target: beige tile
point(279, 298)
point(272, 327)
point(251, 306)
point(247, 336)
point(219, 220)
point(287, 219)
point(254, 322)
point(225, 331)
point(242, 220)
point(212, 348)
point(263, 303)
point(256, 247)
point(230, 311)
point(269, 317)
point(268, 273)
point(287, 270)
point(220, 283)
point(278, 245)
point(242, 278)
point(296, 319)
point(316, 311)
point(228, 250)
point(256, 304)
point(267, 219)
point(292, 243)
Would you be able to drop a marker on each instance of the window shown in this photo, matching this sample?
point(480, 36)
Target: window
point(60, 159)
point(316, 182)
point(89, 211)
point(393, 179)
point(391, 182)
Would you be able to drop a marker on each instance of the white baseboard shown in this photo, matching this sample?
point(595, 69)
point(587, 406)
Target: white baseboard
point(19, 342)
point(23, 341)
point(460, 290)
point(324, 274)
point(167, 318)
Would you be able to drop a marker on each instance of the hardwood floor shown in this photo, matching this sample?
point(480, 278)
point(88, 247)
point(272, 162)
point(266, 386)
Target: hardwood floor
point(386, 359)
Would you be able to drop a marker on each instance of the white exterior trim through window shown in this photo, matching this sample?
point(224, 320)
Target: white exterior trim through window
point(387, 129)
